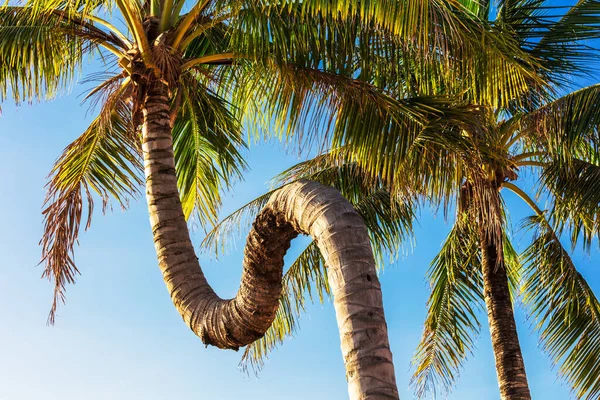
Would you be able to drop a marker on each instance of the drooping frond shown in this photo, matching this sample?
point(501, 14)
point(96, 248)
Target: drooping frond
point(206, 142)
point(565, 308)
point(451, 325)
point(236, 224)
point(393, 43)
point(105, 159)
point(71, 8)
point(563, 45)
point(375, 129)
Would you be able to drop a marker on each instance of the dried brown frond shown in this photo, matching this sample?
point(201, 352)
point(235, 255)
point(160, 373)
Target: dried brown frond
point(105, 159)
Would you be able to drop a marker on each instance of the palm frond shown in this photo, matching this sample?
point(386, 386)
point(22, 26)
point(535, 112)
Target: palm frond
point(566, 309)
point(206, 143)
point(350, 40)
point(563, 45)
point(514, 268)
point(40, 54)
point(105, 159)
point(563, 124)
point(451, 325)
point(575, 188)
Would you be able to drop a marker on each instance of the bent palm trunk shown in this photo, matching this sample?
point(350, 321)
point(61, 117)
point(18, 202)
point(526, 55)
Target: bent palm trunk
point(304, 207)
point(510, 367)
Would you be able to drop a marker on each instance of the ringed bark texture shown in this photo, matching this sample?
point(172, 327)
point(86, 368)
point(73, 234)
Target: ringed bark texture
point(300, 208)
point(510, 367)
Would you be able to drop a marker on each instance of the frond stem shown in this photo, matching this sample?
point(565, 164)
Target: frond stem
point(203, 29)
point(529, 163)
point(515, 139)
point(212, 59)
point(523, 156)
point(165, 17)
point(525, 197)
point(111, 28)
point(135, 25)
point(187, 22)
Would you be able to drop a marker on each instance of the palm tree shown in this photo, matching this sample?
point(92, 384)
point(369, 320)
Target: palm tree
point(556, 137)
point(175, 90)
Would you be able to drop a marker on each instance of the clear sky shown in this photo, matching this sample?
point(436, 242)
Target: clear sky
point(119, 337)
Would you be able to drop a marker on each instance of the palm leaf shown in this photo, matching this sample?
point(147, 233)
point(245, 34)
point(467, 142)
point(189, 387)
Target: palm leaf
point(105, 159)
point(206, 143)
point(40, 54)
point(566, 309)
point(576, 192)
point(451, 325)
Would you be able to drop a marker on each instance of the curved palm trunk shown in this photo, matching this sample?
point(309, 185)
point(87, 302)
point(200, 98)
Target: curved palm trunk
point(510, 368)
point(303, 207)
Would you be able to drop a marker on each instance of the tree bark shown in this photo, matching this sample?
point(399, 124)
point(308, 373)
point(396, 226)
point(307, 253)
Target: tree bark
point(510, 367)
point(300, 208)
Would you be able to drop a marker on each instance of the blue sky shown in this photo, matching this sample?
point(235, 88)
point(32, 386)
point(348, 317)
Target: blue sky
point(119, 337)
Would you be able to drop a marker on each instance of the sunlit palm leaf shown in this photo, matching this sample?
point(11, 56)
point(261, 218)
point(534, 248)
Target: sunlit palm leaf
point(40, 54)
point(206, 143)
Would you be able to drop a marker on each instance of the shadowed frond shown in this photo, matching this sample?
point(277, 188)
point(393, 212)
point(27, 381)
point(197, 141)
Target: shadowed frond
point(556, 35)
point(563, 124)
point(105, 159)
point(566, 309)
point(576, 193)
point(451, 325)
point(514, 269)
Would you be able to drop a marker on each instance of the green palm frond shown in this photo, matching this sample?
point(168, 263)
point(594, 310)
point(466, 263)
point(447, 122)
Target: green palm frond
point(345, 42)
point(206, 142)
point(105, 159)
point(566, 309)
point(71, 7)
point(514, 268)
point(374, 129)
point(40, 54)
point(451, 325)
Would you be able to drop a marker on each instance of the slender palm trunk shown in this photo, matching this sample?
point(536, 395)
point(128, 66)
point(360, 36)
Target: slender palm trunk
point(510, 368)
point(303, 207)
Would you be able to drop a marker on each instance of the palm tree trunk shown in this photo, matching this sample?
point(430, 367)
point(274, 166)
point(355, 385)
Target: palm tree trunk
point(304, 207)
point(510, 368)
